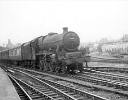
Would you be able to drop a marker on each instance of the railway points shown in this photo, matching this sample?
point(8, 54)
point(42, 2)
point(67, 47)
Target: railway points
point(94, 87)
point(71, 92)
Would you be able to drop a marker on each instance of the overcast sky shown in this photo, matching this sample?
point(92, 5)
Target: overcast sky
point(23, 20)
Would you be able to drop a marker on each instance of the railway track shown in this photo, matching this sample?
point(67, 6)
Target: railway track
point(20, 90)
point(26, 91)
point(110, 69)
point(109, 66)
point(67, 93)
point(105, 79)
point(94, 88)
point(113, 84)
point(107, 75)
point(108, 60)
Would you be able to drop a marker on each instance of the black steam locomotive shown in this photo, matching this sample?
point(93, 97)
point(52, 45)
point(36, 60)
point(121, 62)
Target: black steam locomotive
point(53, 52)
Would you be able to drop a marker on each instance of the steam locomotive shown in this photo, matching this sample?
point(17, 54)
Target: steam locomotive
point(54, 52)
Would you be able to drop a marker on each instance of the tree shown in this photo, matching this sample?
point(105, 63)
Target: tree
point(99, 48)
point(125, 38)
point(103, 40)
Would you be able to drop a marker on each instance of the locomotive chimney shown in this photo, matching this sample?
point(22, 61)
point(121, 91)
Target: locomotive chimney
point(65, 30)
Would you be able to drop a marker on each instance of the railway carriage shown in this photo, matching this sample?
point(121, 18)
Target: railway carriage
point(5, 56)
point(26, 52)
point(15, 56)
point(15, 53)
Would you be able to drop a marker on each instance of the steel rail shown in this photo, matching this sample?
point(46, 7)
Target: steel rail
point(109, 75)
point(87, 94)
point(43, 91)
point(20, 90)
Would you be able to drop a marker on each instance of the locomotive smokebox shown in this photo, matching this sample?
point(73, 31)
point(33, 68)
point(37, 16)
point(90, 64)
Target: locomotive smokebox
point(65, 30)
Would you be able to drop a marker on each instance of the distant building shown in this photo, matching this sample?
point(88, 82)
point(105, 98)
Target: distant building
point(103, 40)
point(124, 38)
point(9, 44)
